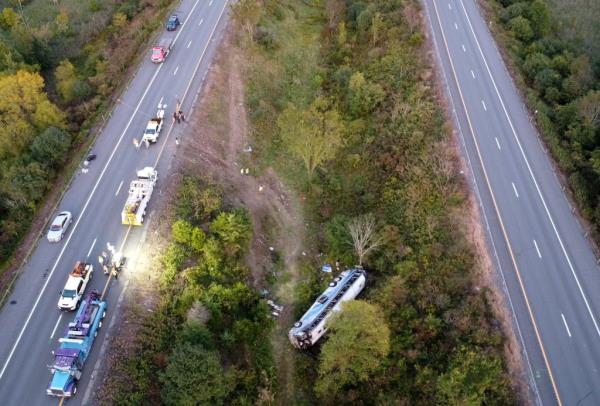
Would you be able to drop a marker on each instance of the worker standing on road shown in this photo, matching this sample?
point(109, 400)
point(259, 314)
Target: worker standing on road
point(147, 142)
point(175, 117)
point(136, 143)
point(176, 140)
point(115, 273)
point(181, 116)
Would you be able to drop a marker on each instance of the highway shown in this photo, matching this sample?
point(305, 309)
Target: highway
point(30, 322)
point(544, 261)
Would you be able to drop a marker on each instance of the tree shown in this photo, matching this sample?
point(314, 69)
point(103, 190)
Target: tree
point(234, 229)
point(358, 343)
point(539, 16)
point(363, 96)
point(50, 147)
point(24, 111)
point(521, 27)
point(65, 77)
point(313, 135)
point(247, 13)
point(377, 26)
point(474, 378)
point(62, 22)
point(589, 107)
point(365, 237)
point(9, 18)
point(194, 376)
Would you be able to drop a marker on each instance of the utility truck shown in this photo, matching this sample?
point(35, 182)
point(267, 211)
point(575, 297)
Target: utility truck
point(75, 286)
point(154, 127)
point(75, 346)
point(313, 324)
point(140, 191)
point(162, 49)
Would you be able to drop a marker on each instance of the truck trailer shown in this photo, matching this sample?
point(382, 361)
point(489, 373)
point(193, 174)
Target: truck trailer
point(75, 346)
point(140, 191)
point(313, 324)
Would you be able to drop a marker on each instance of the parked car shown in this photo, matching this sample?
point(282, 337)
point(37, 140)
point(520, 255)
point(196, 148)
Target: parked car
point(59, 226)
point(173, 23)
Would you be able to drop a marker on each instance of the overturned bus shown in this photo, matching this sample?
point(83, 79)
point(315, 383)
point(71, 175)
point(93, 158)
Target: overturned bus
point(312, 325)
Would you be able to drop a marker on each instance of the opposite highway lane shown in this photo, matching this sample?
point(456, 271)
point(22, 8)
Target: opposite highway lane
point(30, 321)
point(546, 263)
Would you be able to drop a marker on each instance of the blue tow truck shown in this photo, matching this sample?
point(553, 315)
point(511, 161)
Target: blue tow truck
point(75, 347)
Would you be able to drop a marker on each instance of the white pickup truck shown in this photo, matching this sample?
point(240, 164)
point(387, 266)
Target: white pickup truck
point(75, 286)
point(154, 127)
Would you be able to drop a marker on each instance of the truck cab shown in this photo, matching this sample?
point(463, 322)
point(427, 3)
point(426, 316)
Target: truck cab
point(73, 291)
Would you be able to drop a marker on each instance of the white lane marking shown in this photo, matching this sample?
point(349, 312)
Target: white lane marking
point(449, 6)
point(566, 325)
point(55, 327)
point(200, 22)
point(472, 73)
point(189, 43)
point(91, 248)
point(119, 188)
point(160, 102)
point(483, 103)
point(497, 211)
point(187, 89)
point(456, 26)
point(175, 72)
point(515, 189)
point(498, 143)
point(210, 3)
point(537, 248)
point(463, 47)
point(562, 246)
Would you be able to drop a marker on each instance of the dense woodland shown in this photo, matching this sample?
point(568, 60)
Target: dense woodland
point(59, 64)
point(341, 102)
point(559, 71)
point(207, 343)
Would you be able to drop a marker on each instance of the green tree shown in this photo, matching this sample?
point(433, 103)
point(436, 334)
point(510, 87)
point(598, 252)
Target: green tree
point(50, 147)
point(66, 78)
point(314, 135)
point(234, 229)
point(539, 16)
point(474, 378)
point(363, 96)
point(521, 27)
point(194, 376)
point(358, 343)
point(9, 18)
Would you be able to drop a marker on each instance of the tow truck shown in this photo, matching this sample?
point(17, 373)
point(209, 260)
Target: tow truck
point(161, 49)
point(140, 191)
point(154, 127)
point(76, 346)
point(75, 286)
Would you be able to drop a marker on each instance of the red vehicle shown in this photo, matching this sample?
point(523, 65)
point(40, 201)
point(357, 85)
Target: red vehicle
point(161, 50)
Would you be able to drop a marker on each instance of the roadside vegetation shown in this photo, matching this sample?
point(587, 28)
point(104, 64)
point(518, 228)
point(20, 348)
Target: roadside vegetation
point(559, 72)
point(342, 104)
point(207, 341)
point(60, 62)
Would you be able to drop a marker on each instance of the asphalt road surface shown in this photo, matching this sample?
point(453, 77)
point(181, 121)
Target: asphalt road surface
point(30, 321)
point(544, 260)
